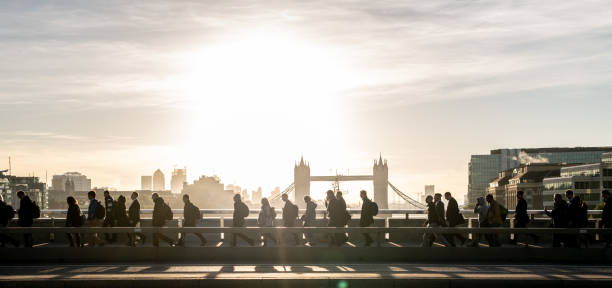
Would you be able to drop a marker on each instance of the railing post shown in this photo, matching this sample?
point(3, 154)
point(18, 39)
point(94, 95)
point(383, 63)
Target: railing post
point(52, 235)
point(470, 226)
point(597, 226)
point(222, 224)
point(407, 216)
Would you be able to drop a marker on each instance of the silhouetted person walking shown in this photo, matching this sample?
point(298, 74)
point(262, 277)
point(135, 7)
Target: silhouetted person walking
point(494, 219)
point(482, 209)
point(290, 215)
point(439, 207)
point(26, 216)
point(367, 215)
point(309, 218)
point(74, 218)
point(241, 211)
point(134, 219)
point(575, 218)
point(120, 216)
point(606, 216)
point(109, 221)
point(6, 214)
point(161, 214)
point(95, 216)
point(521, 218)
point(559, 217)
point(266, 219)
point(434, 221)
point(454, 218)
point(335, 216)
point(343, 217)
point(192, 216)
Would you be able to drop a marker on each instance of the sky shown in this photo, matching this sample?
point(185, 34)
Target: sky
point(243, 89)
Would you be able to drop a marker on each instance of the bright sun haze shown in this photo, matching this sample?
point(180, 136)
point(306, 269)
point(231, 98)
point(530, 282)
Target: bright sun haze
point(243, 90)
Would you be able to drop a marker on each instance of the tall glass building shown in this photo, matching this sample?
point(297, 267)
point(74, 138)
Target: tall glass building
point(484, 168)
point(587, 181)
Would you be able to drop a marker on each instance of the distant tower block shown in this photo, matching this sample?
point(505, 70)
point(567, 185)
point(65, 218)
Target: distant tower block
point(301, 180)
point(381, 183)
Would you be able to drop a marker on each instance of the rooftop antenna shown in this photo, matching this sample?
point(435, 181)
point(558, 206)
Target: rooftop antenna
point(10, 170)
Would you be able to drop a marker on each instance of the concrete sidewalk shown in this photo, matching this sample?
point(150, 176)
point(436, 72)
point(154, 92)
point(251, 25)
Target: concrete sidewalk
point(305, 275)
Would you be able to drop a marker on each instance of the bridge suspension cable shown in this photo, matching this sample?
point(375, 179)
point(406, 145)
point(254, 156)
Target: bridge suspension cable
point(287, 190)
point(407, 198)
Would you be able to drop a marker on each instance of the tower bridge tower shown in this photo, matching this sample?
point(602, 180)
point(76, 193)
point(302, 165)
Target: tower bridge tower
point(381, 182)
point(301, 179)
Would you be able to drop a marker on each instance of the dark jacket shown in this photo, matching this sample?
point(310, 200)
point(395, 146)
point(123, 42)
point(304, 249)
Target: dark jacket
point(191, 214)
point(134, 213)
point(120, 215)
point(606, 214)
point(26, 211)
point(288, 219)
point(238, 220)
point(432, 214)
point(366, 219)
point(6, 214)
point(520, 215)
point(336, 210)
point(452, 213)
point(91, 210)
point(311, 215)
point(74, 217)
point(574, 213)
point(440, 213)
point(159, 213)
point(559, 215)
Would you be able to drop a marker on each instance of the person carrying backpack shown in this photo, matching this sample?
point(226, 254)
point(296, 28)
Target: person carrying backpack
point(26, 216)
point(367, 215)
point(241, 211)
point(266, 219)
point(161, 214)
point(290, 215)
point(192, 217)
point(95, 218)
point(6, 214)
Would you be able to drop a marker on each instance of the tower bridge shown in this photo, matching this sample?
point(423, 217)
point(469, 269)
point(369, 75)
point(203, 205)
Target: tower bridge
point(380, 180)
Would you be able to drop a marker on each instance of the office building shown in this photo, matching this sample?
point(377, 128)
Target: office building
point(146, 183)
point(484, 168)
point(587, 181)
point(80, 182)
point(527, 178)
point(179, 177)
point(430, 190)
point(159, 181)
point(36, 190)
point(209, 192)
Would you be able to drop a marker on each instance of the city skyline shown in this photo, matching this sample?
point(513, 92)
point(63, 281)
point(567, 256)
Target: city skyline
point(118, 91)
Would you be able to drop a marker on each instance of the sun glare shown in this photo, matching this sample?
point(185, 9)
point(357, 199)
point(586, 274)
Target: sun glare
point(263, 85)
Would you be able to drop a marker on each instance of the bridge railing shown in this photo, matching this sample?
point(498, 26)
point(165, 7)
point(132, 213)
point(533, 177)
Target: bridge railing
point(381, 212)
point(379, 232)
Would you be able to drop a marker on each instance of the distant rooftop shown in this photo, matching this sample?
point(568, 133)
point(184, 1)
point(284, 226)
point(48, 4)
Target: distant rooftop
point(558, 149)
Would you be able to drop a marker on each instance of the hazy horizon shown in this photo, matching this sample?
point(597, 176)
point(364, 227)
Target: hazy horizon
point(116, 90)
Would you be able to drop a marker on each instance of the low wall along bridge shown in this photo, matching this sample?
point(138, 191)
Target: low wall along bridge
point(380, 179)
